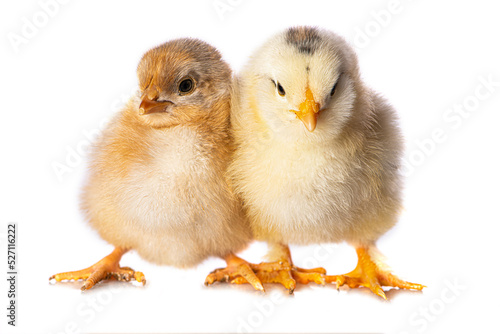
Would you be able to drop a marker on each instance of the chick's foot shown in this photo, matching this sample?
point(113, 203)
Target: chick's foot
point(107, 268)
point(237, 271)
point(371, 273)
point(283, 271)
point(286, 274)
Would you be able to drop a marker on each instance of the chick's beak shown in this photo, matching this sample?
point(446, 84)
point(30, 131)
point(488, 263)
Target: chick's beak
point(308, 111)
point(149, 103)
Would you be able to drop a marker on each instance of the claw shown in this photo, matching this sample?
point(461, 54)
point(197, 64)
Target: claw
point(238, 271)
point(379, 292)
point(283, 271)
point(368, 273)
point(107, 268)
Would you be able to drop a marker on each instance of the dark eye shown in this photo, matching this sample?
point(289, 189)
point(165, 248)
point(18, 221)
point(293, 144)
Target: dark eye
point(280, 88)
point(281, 91)
point(333, 89)
point(186, 86)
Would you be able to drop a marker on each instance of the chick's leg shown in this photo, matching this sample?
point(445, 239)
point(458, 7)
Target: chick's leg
point(283, 271)
point(370, 272)
point(107, 268)
point(237, 269)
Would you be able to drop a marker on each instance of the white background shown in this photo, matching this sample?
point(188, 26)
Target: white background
point(426, 57)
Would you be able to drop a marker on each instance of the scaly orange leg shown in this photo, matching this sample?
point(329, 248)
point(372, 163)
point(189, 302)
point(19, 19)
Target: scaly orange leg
point(283, 271)
point(107, 268)
point(236, 268)
point(370, 273)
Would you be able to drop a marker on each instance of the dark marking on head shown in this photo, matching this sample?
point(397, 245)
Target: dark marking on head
point(308, 68)
point(305, 39)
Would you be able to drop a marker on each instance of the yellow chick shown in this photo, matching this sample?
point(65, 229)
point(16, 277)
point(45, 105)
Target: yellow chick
point(157, 180)
point(317, 156)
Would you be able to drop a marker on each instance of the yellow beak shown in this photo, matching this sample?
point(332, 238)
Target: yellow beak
point(308, 111)
point(149, 103)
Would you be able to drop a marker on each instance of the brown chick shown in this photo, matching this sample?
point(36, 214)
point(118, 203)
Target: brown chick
point(317, 156)
point(157, 176)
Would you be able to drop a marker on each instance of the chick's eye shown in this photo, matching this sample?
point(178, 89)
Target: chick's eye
point(280, 88)
point(333, 89)
point(186, 86)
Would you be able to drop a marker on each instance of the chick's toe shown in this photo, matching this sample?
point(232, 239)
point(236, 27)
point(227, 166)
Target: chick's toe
point(370, 273)
point(237, 271)
point(282, 271)
point(288, 275)
point(107, 268)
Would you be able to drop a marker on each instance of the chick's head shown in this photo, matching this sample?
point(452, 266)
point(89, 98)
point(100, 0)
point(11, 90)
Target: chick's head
point(303, 82)
point(180, 81)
